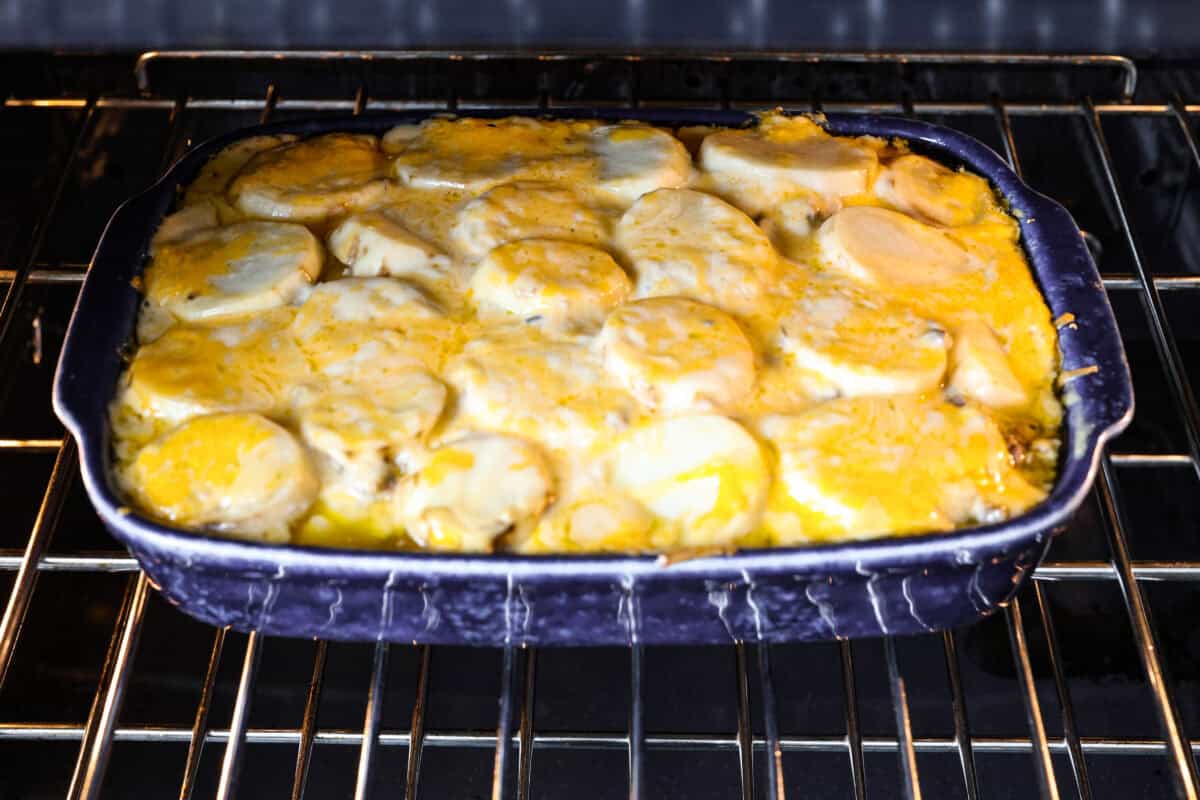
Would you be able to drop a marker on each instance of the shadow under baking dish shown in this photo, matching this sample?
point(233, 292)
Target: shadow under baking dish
point(888, 586)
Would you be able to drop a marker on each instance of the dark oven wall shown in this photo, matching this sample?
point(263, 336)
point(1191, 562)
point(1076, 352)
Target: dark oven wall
point(1162, 26)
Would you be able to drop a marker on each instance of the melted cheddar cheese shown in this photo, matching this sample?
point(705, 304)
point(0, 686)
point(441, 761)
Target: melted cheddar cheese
point(569, 336)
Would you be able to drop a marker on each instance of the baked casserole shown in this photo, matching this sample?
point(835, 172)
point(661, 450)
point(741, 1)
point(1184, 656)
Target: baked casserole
point(574, 336)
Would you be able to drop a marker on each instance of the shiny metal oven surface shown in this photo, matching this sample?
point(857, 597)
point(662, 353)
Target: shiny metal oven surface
point(1086, 686)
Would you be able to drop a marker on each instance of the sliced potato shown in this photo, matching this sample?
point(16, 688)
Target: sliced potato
point(676, 355)
point(981, 371)
point(249, 365)
point(543, 281)
point(636, 159)
point(237, 269)
point(469, 491)
point(312, 179)
point(861, 343)
point(525, 210)
point(866, 467)
point(373, 244)
point(238, 473)
point(691, 244)
point(885, 248)
point(704, 476)
point(922, 187)
point(784, 157)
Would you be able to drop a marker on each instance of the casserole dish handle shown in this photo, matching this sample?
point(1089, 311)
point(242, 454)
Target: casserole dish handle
point(94, 346)
point(1097, 390)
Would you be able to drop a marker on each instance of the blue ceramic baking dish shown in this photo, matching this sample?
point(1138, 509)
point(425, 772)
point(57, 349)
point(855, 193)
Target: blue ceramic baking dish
point(889, 586)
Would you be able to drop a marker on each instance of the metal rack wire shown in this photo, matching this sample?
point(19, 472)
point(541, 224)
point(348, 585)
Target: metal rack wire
point(1090, 89)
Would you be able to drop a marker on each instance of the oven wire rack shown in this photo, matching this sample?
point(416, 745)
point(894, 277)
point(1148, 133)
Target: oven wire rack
point(516, 740)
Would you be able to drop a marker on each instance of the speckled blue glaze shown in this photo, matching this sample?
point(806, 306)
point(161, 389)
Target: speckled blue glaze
point(891, 586)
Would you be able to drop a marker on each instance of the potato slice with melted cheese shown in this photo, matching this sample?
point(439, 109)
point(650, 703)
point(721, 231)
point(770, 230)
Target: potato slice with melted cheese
point(476, 154)
point(636, 159)
point(563, 285)
point(249, 365)
point(556, 394)
point(361, 427)
point(469, 491)
point(511, 212)
point(237, 473)
point(212, 184)
point(981, 370)
point(861, 343)
point(691, 244)
point(887, 249)
point(924, 188)
point(312, 179)
point(183, 223)
point(703, 476)
point(785, 157)
point(866, 467)
point(675, 354)
point(237, 269)
point(373, 244)
point(356, 329)
point(381, 302)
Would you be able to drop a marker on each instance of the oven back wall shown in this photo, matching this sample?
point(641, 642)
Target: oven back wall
point(1164, 26)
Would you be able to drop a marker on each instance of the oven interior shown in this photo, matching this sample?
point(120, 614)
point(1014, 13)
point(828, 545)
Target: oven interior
point(1086, 685)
